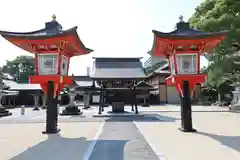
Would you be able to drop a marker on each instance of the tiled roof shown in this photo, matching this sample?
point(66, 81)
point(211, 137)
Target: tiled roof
point(143, 84)
point(163, 69)
point(130, 68)
point(18, 87)
point(8, 93)
point(119, 73)
point(21, 86)
point(81, 78)
point(84, 83)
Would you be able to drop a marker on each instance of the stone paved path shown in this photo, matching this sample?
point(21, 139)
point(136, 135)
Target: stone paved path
point(121, 140)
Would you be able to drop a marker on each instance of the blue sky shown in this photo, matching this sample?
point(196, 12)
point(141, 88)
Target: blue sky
point(112, 28)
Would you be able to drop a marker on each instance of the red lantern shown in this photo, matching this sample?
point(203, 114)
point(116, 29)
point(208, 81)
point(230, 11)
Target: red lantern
point(183, 48)
point(53, 48)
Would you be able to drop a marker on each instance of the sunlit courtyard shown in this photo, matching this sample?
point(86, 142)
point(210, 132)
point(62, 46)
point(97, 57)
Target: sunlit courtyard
point(153, 136)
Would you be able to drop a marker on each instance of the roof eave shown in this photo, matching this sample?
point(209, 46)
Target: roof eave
point(88, 50)
point(21, 33)
point(186, 37)
point(30, 36)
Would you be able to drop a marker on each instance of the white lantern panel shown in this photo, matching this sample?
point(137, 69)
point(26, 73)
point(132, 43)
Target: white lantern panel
point(64, 66)
point(172, 66)
point(47, 64)
point(187, 63)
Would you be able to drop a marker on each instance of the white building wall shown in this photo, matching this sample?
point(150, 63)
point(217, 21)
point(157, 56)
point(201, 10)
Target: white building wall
point(172, 95)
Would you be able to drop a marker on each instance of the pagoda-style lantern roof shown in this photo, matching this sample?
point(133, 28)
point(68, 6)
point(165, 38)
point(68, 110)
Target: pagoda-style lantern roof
point(50, 39)
point(184, 36)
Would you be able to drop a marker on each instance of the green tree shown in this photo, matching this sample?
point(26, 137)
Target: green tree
point(218, 15)
point(20, 68)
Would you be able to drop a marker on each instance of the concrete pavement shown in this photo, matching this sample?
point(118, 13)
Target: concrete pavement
point(25, 141)
point(152, 137)
point(218, 136)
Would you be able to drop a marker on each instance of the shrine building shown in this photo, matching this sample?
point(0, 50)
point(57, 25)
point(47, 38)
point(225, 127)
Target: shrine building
point(163, 93)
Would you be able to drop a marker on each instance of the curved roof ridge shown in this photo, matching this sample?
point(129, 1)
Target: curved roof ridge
point(188, 33)
point(32, 32)
point(39, 32)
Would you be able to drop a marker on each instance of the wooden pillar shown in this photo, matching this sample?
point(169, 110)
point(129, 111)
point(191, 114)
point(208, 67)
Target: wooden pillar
point(106, 98)
point(135, 97)
point(100, 103)
point(1, 100)
point(3, 111)
point(4, 100)
point(132, 96)
point(132, 106)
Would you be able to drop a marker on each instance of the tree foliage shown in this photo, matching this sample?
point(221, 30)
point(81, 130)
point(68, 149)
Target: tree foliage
point(20, 68)
point(214, 16)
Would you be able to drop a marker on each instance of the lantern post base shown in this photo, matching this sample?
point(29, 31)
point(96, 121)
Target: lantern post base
point(187, 130)
point(51, 131)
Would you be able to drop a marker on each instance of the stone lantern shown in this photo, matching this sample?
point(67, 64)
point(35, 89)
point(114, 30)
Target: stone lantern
point(72, 108)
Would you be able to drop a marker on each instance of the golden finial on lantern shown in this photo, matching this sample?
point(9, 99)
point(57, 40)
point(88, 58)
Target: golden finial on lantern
point(54, 17)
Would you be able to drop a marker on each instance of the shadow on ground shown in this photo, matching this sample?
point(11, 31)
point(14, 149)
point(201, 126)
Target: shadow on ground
point(229, 141)
point(209, 111)
point(57, 147)
point(143, 118)
point(109, 150)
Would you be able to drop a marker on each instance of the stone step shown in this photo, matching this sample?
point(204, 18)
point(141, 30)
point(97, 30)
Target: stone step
point(4, 114)
point(4, 111)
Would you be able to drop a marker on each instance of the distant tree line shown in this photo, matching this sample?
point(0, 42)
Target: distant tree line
point(20, 68)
